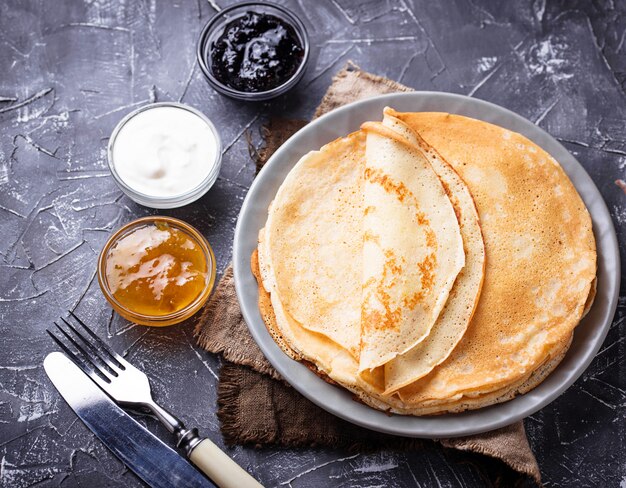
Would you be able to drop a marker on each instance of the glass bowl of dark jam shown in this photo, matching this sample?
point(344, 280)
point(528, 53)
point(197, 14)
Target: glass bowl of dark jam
point(253, 51)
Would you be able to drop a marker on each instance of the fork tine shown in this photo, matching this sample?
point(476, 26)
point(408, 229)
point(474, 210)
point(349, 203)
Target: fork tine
point(120, 362)
point(106, 372)
point(109, 365)
point(83, 363)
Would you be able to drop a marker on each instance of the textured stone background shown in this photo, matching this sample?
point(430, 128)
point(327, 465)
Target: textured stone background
point(72, 69)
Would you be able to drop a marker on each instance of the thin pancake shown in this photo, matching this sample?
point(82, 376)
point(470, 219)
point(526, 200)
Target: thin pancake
point(412, 246)
point(541, 256)
point(312, 230)
point(457, 313)
point(539, 278)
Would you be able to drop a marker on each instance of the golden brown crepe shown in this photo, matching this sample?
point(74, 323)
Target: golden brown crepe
point(461, 304)
point(541, 256)
point(412, 246)
point(313, 235)
point(539, 264)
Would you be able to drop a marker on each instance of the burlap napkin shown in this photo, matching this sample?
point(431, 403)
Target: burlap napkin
point(255, 406)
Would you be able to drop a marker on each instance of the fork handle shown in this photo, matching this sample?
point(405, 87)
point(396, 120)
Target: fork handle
point(218, 466)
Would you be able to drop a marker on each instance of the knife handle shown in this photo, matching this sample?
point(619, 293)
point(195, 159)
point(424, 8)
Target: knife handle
point(218, 466)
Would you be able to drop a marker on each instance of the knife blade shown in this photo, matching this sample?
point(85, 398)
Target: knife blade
point(145, 454)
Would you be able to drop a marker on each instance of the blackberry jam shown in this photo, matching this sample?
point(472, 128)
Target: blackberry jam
point(255, 53)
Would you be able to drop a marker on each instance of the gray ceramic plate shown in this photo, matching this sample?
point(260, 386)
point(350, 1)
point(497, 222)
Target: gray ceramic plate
point(589, 334)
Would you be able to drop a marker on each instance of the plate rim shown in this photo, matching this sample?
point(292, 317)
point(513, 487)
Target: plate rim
point(338, 401)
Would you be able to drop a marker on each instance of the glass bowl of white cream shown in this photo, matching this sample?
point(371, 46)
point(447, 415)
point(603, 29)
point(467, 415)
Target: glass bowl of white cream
point(165, 155)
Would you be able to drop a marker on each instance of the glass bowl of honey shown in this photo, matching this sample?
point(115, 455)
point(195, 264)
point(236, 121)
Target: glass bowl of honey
point(156, 271)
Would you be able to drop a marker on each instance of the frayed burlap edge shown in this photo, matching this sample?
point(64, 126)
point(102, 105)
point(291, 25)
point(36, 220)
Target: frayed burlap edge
point(336, 97)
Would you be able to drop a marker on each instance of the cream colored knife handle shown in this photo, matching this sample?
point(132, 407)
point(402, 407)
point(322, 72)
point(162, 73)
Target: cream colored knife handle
point(218, 466)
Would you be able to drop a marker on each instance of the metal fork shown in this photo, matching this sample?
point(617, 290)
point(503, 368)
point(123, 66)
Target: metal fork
point(130, 388)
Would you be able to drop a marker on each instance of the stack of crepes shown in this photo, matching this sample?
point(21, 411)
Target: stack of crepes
point(428, 263)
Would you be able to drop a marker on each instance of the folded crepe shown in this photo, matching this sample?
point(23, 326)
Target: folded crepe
point(535, 260)
point(313, 238)
point(461, 304)
point(412, 245)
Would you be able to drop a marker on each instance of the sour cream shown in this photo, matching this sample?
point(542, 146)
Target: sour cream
point(165, 155)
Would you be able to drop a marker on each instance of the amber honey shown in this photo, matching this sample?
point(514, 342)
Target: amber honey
point(156, 271)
